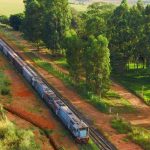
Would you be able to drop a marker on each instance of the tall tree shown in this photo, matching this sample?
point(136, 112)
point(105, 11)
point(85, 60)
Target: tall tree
point(146, 39)
point(96, 18)
point(136, 23)
point(74, 46)
point(56, 21)
point(32, 26)
point(119, 35)
point(97, 65)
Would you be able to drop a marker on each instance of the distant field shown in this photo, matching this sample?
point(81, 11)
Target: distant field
point(79, 7)
point(8, 7)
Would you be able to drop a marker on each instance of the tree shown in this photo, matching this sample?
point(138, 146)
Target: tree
point(57, 20)
point(96, 18)
point(136, 23)
point(16, 21)
point(97, 65)
point(74, 46)
point(120, 37)
point(32, 26)
point(146, 38)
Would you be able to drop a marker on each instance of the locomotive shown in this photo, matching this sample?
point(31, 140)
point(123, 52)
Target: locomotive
point(76, 126)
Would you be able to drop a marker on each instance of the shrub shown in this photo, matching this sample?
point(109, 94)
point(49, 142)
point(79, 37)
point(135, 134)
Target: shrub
point(5, 91)
point(14, 138)
point(141, 136)
point(121, 126)
point(16, 21)
point(4, 19)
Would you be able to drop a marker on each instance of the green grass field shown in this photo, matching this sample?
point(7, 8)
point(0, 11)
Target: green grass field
point(8, 7)
point(137, 81)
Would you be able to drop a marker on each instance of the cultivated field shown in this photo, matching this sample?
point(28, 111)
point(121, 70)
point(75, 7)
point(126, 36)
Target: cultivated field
point(8, 7)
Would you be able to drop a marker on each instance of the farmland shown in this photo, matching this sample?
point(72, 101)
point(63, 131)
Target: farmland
point(8, 7)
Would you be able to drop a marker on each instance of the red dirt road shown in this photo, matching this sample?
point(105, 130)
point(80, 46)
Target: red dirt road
point(142, 118)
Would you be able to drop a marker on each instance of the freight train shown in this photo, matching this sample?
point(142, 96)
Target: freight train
point(76, 126)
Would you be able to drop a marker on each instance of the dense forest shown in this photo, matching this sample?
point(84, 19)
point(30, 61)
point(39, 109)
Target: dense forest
point(102, 40)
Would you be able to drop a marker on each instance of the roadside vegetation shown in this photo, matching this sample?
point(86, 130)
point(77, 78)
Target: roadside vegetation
point(90, 146)
point(4, 84)
point(12, 137)
point(138, 135)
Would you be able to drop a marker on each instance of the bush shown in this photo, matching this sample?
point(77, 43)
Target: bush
point(4, 19)
point(14, 138)
point(16, 20)
point(141, 136)
point(5, 91)
point(121, 126)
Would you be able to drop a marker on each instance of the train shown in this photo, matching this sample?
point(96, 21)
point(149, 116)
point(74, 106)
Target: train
point(73, 123)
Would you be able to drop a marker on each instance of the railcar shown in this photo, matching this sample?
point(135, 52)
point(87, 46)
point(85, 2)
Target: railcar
point(19, 64)
point(77, 127)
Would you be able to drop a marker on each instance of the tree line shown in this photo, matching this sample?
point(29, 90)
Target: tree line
point(103, 38)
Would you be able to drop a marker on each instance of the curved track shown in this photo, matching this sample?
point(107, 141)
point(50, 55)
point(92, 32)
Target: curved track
point(95, 135)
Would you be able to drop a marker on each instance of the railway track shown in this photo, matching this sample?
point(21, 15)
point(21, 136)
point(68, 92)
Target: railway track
point(101, 142)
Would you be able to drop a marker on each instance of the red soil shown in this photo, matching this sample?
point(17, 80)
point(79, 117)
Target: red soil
point(142, 117)
point(30, 117)
point(32, 106)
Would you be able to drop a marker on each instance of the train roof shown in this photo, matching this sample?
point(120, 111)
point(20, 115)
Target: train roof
point(79, 124)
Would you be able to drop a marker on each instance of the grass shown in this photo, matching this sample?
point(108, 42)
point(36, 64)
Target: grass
point(12, 137)
point(62, 62)
point(137, 81)
point(139, 135)
point(4, 84)
point(90, 146)
point(8, 7)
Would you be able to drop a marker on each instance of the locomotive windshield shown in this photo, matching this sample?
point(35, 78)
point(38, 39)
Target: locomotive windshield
point(83, 132)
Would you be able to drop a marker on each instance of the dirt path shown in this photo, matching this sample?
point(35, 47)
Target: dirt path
point(26, 101)
point(101, 120)
point(142, 118)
